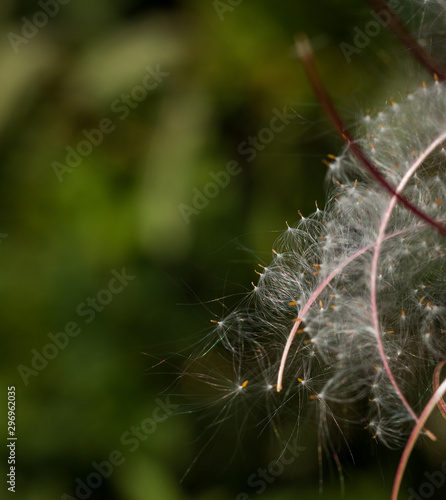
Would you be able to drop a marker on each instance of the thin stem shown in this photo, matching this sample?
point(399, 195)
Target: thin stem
point(436, 385)
point(374, 271)
point(433, 401)
point(380, 6)
point(306, 54)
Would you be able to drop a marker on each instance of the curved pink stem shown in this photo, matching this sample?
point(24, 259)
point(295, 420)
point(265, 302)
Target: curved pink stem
point(306, 308)
point(316, 294)
point(433, 401)
point(378, 244)
point(436, 385)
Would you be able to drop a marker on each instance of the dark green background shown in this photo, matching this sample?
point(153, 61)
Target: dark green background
point(119, 208)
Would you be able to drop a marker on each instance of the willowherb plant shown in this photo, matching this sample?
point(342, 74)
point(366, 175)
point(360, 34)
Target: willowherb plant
point(351, 311)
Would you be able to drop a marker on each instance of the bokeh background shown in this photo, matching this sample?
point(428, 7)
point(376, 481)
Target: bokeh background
point(63, 235)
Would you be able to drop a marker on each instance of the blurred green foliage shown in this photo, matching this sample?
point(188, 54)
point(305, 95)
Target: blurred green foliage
point(119, 209)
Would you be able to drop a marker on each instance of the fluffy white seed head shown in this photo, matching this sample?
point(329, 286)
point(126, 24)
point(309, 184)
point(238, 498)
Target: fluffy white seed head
point(320, 277)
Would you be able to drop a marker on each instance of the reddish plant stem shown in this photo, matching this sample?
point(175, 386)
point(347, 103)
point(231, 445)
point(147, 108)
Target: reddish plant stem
point(380, 6)
point(306, 54)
